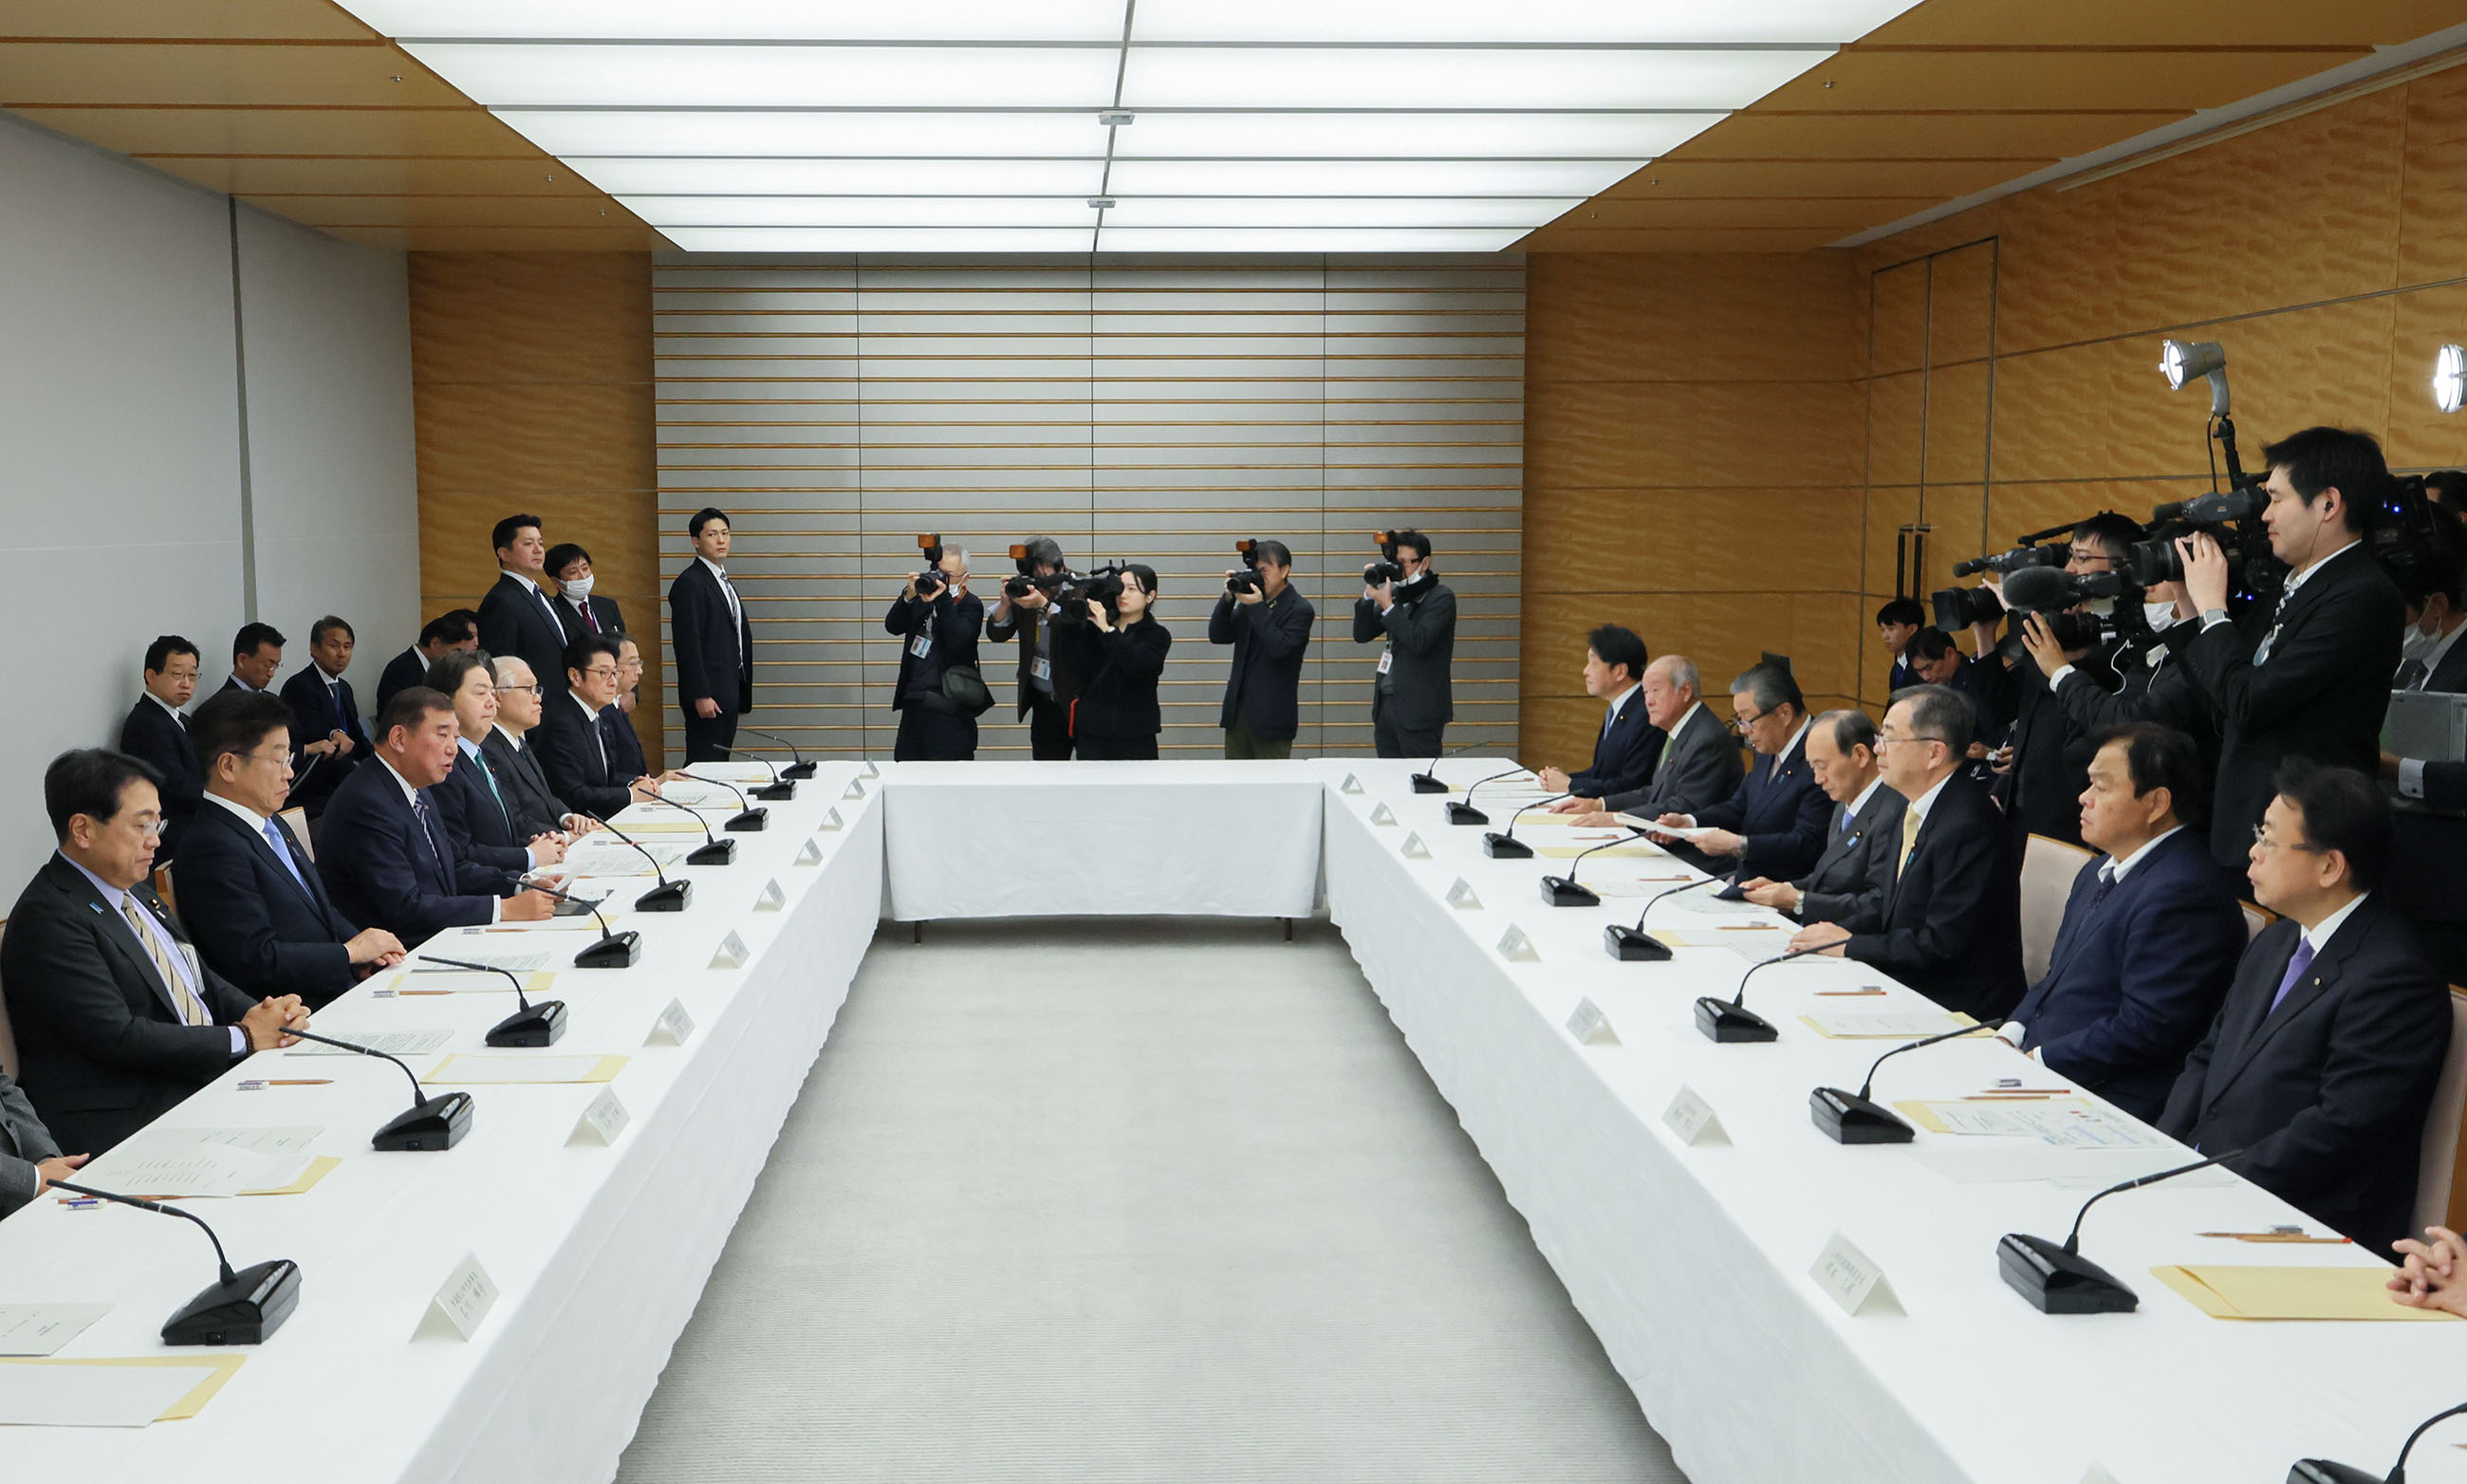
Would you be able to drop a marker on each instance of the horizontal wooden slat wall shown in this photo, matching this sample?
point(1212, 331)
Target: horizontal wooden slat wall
point(2327, 253)
point(532, 392)
point(1150, 412)
point(1692, 471)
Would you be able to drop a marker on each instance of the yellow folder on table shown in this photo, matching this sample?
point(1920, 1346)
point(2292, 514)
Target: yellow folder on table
point(212, 1371)
point(1571, 852)
point(2254, 1293)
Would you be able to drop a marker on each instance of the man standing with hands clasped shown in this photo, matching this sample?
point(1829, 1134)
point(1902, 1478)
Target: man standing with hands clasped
point(714, 644)
point(1269, 625)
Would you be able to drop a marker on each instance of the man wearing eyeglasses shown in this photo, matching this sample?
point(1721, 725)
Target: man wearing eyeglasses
point(1774, 826)
point(247, 886)
point(1950, 926)
point(2322, 1061)
point(537, 808)
point(572, 748)
point(1699, 766)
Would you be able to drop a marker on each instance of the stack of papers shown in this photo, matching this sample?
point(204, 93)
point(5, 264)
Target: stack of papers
point(1881, 1024)
point(393, 1043)
point(513, 960)
point(605, 855)
point(2067, 1122)
point(204, 1162)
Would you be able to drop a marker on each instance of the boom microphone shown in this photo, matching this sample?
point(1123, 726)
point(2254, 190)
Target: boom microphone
point(775, 789)
point(1730, 1020)
point(240, 1308)
point(1426, 782)
point(669, 896)
point(2058, 1279)
point(1853, 1118)
point(531, 1025)
point(614, 950)
point(1635, 945)
point(800, 769)
point(2321, 1471)
point(436, 1122)
point(713, 850)
point(1563, 891)
point(748, 817)
point(1462, 812)
point(1507, 847)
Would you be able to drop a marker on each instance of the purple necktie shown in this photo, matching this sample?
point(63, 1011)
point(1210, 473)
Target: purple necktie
point(2296, 967)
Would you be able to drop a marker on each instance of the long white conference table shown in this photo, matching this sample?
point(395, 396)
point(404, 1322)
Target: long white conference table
point(1693, 1261)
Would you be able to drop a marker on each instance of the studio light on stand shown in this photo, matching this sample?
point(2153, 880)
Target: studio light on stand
point(2450, 377)
point(2183, 361)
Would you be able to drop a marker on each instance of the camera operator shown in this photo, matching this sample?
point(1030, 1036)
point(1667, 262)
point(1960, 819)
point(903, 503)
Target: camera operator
point(2310, 676)
point(1118, 650)
point(1935, 660)
point(1026, 610)
point(936, 618)
point(1897, 623)
point(1411, 704)
point(2148, 687)
point(2428, 847)
point(1269, 625)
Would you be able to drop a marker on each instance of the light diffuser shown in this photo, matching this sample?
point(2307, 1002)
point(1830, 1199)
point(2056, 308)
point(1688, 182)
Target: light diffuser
point(573, 133)
point(1532, 21)
point(1301, 239)
point(665, 212)
point(1518, 212)
point(1097, 21)
point(1368, 177)
point(775, 77)
point(1080, 178)
point(1407, 78)
point(882, 240)
point(1616, 136)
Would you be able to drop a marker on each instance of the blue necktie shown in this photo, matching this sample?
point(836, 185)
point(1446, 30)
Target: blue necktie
point(282, 853)
point(2301, 961)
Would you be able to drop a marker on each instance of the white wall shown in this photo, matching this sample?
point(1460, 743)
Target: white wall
point(121, 476)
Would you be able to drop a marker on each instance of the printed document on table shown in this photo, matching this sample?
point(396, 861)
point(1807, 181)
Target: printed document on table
point(42, 1329)
point(1882, 1025)
point(178, 1167)
point(393, 1043)
point(513, 960)
point(92, 1395)
point(2068, 1123)
point(481, 1069)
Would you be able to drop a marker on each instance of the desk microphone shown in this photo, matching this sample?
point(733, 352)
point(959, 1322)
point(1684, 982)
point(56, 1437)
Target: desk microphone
point(530, 1025)
point(713, 850)
point(1461, 811)
point(1730, 1020)
point(1563, 891)
point(2321, 1471)
point(2058, 1279)
point(1507, 847)
point(800, 769)
point(669, 896)
point(1635, 945)
point(239, 1309)
point(775, 789)
point(436, 1122)
point(614, 950)
point(1427, 782)
point(1851, 1118)
point(748, 817)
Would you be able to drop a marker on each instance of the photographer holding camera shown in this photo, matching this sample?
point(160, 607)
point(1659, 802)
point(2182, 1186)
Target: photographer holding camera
point(1117, 650)
point(1026, 609)
point(1269, 625)
point(2148, 688)
point(940, 691)
point(2309, 676)
point(1404, 602)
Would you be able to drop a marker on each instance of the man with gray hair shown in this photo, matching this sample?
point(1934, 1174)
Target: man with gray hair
point(936, 619)
point(1848, 881)
point(1699, 766)
point(1950, 926)
point(1774, 826)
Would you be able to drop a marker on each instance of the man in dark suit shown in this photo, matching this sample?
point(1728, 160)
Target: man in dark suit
point(1629, 744)
point(456, 628)
point(383, 850)
point(479, 820)
point(157, 733)
point(517, 616)
point(1268, 622)
point(625, 758)
point(1410, 699)
point(29, 1157)
point(578, 608)
point(249, 894)
point(714, 642)
point(1937, 660)
point(2151, 932)
point(117, 1021)
point(1045, 691)
point(1897, 622)
point(2147, 684)
point(1772, 826)
point(572, 748)
point(2323, 1062)
point(1848, 881)
point(326, 736)
point(515, 766)
point(1951, 923)
point(936, 619)
point(2429, 874)
point(1699, 766)
point(257, 657)
point(2308, 676)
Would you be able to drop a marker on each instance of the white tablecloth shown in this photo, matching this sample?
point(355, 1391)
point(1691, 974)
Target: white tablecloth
point(1120, 839)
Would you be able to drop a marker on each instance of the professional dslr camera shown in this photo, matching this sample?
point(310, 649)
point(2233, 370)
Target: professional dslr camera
point(1388, 568)
point(931, 581)
point(1024, 555)
point(1245, 582)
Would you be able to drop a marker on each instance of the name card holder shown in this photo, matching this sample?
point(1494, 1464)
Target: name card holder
point(1693, 1119)
point(459, 1304)
point(1381, 814)
point(771, 899)
point(871, 771)
point(811, 853)
point(1589, 1026)
point(855, 789)
point(1852, 1279)
point(600, 1122)
point(1460, 896)
point(831, 820)
point(672, 1028)
point(1351, 785)
point(1516, 948)
point(1414, 849)
point(733, 952)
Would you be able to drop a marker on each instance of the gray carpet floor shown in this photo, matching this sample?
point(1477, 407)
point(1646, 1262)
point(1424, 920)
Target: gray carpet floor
point(1154, 1200)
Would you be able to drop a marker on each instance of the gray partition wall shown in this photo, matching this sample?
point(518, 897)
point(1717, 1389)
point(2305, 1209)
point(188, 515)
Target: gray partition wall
point(1135, 410)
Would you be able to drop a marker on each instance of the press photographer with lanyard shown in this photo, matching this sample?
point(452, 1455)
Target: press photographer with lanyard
point(1118, 651)
point(1404, 603)
point(936, 619)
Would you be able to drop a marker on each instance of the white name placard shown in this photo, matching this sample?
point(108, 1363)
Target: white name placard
point(733, 952)
point(1351, 785)
point(871, 771)
point(1516, 948)
point(1693, 1119)
point(1414, 849)
point(831, 820)
point(1381, 814)
point(1590, 1026)
point(1460, 896)
point(1852, 1279)
point(855, 790)
point(770, 899)
point(461, 1303)
point(603, 1121)
point(811, 853)
point(672, 1028)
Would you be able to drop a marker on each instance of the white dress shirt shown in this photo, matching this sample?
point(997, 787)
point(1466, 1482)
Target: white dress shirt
point(181, 957)
point(411, 797)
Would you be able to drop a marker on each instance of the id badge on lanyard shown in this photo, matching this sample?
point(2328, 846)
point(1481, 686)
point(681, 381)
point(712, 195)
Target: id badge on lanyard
point(921, 646)
point(1386, 658)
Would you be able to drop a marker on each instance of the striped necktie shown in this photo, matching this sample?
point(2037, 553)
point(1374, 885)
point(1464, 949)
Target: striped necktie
point(192, 1010)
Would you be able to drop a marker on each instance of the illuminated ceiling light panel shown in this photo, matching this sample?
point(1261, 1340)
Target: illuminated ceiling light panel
point(1518, 212)
point(846, 177)
point(1305, 240)
point(1603, 136)
point(1367, 177)
point(1098, 21)
point(1531, 21)
point(576, 133)
point(882, 240)
point(666, 212)
point(501, 74)
point(1454, 79)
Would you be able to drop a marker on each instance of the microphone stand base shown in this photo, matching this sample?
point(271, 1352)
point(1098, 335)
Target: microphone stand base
point(719, 852)
point(1721, 1020)
point(615, 951)
point(440, 1123)
point(1424, 783)
point(244, 1312)
point(2321, 1471)
point(1506, 847)
point(1628, 945)
point(2056, 1281)
point(1847, 1118)
point(776, 792)
point(798, 770)
point(667, 897)
point(536, 1026)
point(750, 820)
point(1564, 892)
point(1461, 813)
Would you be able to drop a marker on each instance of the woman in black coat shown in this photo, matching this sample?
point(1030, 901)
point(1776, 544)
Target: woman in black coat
point(1118, 655)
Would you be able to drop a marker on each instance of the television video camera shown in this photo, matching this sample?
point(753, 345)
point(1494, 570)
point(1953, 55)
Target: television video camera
point(1073, 589)
point(1247, 581)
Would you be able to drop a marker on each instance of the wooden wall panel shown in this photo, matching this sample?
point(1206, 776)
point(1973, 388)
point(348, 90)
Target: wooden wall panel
point(532, 392)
